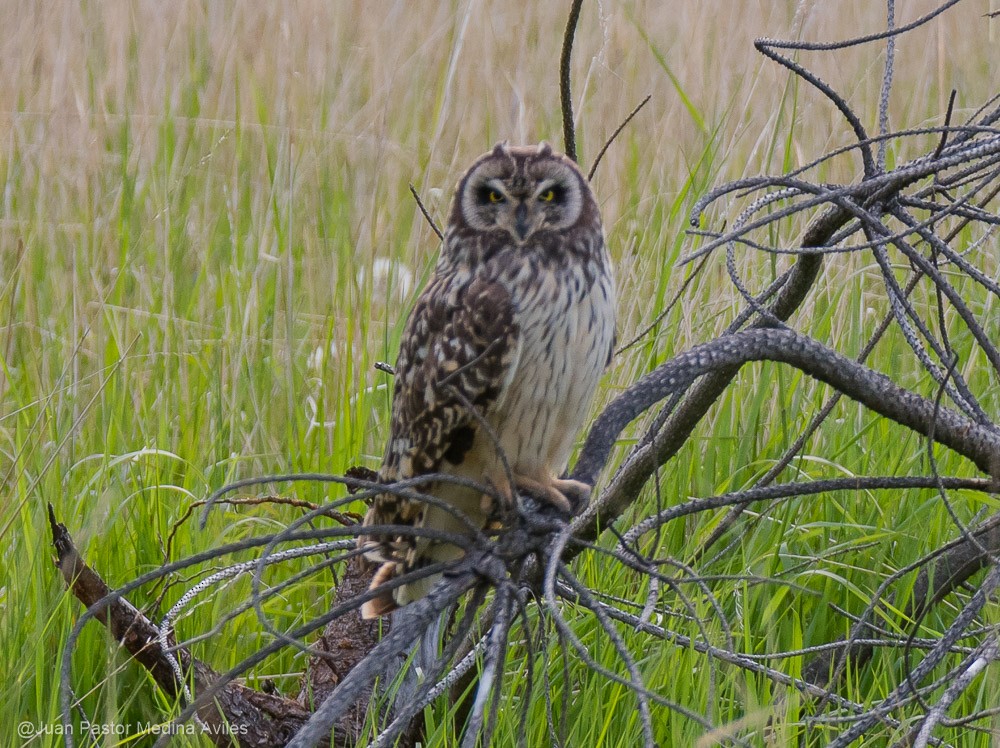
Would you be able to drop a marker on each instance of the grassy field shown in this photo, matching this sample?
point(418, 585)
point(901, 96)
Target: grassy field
point(207, 240)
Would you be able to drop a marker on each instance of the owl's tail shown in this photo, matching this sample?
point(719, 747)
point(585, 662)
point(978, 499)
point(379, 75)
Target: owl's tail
point(404, 554)
point(387, 553)
point(406, 593)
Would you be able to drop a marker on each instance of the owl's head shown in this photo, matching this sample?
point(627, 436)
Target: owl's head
point(522, 190)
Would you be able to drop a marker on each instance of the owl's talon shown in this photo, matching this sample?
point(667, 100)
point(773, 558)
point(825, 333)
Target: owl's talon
point(565, 495)
point(558, 499)
point(575, 492)
point(502, 486)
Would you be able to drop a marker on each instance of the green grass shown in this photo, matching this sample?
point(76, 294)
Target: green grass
point(198, 200)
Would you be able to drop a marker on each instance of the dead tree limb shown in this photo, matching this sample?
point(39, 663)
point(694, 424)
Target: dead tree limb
point(239, 715)
point(876, 391)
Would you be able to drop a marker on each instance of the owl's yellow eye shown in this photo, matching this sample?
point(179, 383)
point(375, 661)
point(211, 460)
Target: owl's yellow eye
point(495, 197)
point(548, 196)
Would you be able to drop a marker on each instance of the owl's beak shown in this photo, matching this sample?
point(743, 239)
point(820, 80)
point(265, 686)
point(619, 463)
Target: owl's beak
point(521, 225)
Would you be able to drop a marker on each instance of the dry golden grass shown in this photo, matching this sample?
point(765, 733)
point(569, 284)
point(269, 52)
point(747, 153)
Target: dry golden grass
point(366, 97)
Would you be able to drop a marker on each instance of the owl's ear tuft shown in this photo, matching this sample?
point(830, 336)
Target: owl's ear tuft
point(544, 149)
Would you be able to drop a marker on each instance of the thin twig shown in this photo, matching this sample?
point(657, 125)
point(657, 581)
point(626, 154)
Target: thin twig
point(614, 135)
point(430, 221)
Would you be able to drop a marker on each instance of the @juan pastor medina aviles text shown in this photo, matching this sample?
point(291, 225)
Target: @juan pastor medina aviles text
point(28, 729)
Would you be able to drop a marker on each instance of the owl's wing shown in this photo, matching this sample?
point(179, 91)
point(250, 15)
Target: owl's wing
point(458, 349)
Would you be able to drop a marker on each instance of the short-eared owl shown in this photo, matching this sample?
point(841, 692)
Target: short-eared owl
point(517, 322)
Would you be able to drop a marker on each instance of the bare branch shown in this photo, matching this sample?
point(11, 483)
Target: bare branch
point(239, 715)
point(614, 135)
point(434, 228)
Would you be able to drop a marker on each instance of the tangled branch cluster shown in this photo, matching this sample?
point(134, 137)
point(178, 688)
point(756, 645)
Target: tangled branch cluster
point(519, 580)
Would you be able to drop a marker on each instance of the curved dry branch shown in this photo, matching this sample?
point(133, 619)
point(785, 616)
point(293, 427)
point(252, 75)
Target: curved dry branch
point(876, 391)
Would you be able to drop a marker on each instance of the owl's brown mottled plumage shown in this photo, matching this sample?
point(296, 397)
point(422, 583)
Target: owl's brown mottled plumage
point(518, 322)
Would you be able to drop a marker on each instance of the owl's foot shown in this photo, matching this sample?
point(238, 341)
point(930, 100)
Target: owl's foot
point(567, 495)
point(577, 492)
point(488, 501)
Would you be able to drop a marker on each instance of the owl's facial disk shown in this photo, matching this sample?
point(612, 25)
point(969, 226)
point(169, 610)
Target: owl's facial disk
point(522, 191)
point(521, 210)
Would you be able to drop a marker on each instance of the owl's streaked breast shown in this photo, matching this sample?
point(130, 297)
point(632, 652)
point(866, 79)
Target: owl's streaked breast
point(566, 316)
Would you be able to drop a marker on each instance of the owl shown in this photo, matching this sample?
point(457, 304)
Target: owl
point(499, 360)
